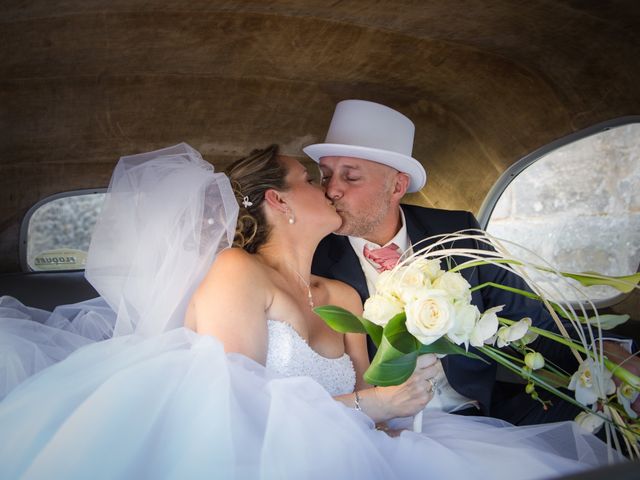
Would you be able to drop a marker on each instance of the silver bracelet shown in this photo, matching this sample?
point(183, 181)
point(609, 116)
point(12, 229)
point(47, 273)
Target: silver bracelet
point(357, 401)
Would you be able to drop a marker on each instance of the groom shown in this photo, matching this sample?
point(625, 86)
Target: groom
point(367, 168)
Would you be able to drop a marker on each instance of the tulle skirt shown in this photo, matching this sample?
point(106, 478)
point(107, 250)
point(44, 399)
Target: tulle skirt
point(78, 405)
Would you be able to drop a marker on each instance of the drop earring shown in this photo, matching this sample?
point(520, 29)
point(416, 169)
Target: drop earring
point(292, 217)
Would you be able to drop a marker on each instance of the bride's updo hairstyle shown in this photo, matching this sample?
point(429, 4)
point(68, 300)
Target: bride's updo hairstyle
point(250, 178)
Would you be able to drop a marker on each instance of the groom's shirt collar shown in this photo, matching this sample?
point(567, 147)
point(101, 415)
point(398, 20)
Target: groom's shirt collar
point(401, 239)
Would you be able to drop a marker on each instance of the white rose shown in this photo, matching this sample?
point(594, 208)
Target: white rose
point(379, 309)
point(411, 283)
point(431, 268)
point(513, 332)
point(431, 316)
point(404, 283)
point(455, 284)
point(411, 276)
point(386, 283)
point(486, 327)
point(590, 422)
point(466, 317)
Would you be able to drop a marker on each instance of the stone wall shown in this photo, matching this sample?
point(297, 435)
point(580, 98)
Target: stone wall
point(579, 206)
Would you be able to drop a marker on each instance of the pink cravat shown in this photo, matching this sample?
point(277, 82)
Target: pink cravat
point(384, 258)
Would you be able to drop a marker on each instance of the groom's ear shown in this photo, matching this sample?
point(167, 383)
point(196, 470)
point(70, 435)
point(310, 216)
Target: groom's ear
point(274, 199)
point(400, 185)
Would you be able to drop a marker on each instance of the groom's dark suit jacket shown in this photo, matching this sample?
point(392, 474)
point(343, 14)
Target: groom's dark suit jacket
point(474, 379)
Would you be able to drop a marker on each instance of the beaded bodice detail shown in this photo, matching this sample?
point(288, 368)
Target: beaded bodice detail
point(290, 355)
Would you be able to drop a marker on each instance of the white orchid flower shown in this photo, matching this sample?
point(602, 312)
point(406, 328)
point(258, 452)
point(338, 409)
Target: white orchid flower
point(528, 338)
point(514, 332)
point(626, 396)
point(466, 318)
point(486, 327)
point(591, 382)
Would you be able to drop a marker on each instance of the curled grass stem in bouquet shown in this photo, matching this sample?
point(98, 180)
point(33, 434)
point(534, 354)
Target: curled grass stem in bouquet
point(420, 308)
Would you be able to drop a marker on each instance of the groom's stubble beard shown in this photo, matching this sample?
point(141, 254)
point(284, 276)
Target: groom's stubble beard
point(357, 227)
point(363, 222)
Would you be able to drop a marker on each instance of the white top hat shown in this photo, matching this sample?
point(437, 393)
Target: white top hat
point(373, 132)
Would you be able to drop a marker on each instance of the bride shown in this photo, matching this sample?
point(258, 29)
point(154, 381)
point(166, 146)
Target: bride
point(220, 369)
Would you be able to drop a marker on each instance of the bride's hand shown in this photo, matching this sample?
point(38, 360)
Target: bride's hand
point(404, 400)
point(413, 395)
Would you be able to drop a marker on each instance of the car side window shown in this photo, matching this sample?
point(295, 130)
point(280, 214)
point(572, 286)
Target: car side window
point(576, 204)
point(56, 232)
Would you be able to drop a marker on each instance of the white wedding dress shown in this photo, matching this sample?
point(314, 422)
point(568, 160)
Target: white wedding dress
point(116, 388)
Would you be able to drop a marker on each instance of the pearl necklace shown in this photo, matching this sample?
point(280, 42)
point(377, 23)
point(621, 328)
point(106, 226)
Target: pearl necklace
point(306, 284)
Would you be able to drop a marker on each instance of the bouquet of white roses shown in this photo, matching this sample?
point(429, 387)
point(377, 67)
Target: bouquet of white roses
point(419, 308)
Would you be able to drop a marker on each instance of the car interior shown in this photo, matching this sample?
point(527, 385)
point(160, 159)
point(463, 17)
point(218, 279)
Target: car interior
point(526, 114)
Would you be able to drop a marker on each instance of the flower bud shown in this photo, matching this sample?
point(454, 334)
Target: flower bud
point(530, 388)
point(534, 360)
point(589, 421)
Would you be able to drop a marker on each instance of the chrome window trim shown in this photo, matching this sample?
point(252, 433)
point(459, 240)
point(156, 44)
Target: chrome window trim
point(24, 225)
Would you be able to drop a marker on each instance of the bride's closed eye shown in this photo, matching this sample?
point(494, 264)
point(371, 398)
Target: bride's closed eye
point(312, 180)
point(324, 178)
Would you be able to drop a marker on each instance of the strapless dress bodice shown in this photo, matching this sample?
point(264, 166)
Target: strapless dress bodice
point(290, 355)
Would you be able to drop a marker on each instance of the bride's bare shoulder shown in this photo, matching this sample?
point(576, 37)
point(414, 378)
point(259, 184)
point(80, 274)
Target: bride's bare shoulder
point(237, 257)
point(234, 264)
point(340, 294)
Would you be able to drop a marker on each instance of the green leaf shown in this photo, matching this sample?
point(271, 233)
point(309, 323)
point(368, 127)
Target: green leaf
point(390, 366)
point(391, 372)
point(624, 284)
point(374, 331)
point(343, 321)
point(396, 333)
point(395, 359)
point(340, 320)
point(444, 345)
point(608, 321)
point(506, 288)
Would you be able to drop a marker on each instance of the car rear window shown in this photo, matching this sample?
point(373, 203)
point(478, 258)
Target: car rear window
point(56, 232)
